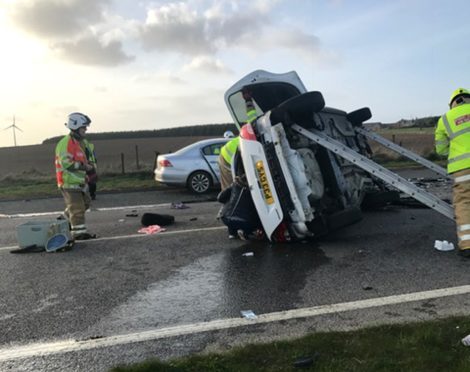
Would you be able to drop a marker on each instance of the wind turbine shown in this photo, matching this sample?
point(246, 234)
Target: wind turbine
point(14, 127)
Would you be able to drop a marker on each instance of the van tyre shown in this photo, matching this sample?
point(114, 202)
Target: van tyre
point(356, 118)
point(199, 182)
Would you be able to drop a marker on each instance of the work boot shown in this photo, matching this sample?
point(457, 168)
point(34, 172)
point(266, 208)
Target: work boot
point(84, 236)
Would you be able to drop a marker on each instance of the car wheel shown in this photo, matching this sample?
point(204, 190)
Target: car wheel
point(199, 182)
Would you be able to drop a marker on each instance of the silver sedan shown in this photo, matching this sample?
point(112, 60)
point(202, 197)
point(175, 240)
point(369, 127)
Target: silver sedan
point(194, 166)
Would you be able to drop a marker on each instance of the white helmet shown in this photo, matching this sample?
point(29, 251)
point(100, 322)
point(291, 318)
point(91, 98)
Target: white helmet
point(77, 120)
point(228, 134)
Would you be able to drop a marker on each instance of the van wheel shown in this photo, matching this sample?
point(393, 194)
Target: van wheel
point(199, 182)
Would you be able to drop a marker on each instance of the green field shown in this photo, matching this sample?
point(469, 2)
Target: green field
point(23, 187)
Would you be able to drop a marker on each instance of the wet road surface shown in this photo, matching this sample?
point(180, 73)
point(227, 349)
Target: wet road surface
point(128, 284)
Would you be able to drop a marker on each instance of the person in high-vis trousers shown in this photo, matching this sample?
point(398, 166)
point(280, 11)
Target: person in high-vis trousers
point(452, 137)
point(71, 166)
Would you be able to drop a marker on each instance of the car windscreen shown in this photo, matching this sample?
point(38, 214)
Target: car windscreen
point(265, 97)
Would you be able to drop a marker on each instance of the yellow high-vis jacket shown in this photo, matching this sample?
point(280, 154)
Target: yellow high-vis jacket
point(452, 137)
point(229, 149)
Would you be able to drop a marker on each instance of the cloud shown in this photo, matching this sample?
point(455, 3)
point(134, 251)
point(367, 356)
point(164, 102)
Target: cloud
point(180, 28)
point(77, 30)
point(162, 78)
point(90, 51)
point(54, 19)
point(206, 64)
point(175, 27)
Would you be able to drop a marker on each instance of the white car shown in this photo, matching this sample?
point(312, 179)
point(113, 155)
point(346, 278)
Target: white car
point(194, 166)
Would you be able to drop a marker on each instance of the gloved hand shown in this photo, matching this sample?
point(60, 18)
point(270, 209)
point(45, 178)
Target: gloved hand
point(89, 167)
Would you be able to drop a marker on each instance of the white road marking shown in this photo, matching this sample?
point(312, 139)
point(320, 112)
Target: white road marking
point(176, 232)
point(40, 214)
point(65, 346)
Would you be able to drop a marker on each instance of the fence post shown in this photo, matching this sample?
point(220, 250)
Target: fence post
point(137, 157)
point(122, 163)
point(393, 138)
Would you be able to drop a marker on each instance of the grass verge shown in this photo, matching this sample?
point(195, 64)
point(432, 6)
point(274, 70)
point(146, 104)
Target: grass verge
point(427, 346)
point(23, 187)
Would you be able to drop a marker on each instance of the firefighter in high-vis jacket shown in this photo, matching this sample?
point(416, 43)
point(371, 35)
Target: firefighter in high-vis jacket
point(71, 166)
point(452, 138)
point(227, 152)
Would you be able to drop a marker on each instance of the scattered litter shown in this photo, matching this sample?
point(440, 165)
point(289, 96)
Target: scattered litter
point(367, 287)
point(152, 229)
point(149, 219)
point(121, 220)
point(132, 215)
point(248, 314)
point(248, 254)
point(58, 242)
point(443, 246)
point(193, 219)
point(178, 206)
point(466, 340)
point(303, 362)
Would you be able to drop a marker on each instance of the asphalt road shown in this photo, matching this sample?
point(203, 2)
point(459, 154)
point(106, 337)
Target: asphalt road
point(125, 297)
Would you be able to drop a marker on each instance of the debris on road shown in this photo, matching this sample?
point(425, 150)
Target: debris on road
point(248, 314)
point(248, 254)
point(178, 206)
point(152, 229)
point(193, 219)
point(443, 246)
point(149, 219)
point(132, 215)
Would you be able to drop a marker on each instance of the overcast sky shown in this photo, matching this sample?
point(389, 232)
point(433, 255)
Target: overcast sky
point(133, 65)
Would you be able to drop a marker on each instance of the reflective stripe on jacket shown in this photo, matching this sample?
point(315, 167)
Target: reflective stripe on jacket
point(452, 137)
point(228, 150)
point(69, 163)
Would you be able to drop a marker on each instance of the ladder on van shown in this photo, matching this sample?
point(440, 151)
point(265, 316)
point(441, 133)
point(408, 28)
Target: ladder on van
point(377, 170)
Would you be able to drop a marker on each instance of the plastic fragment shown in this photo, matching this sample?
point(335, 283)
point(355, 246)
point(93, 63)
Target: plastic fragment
point(178, 206)
point(466, 340)
point(248, 314)
point(443, 246)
